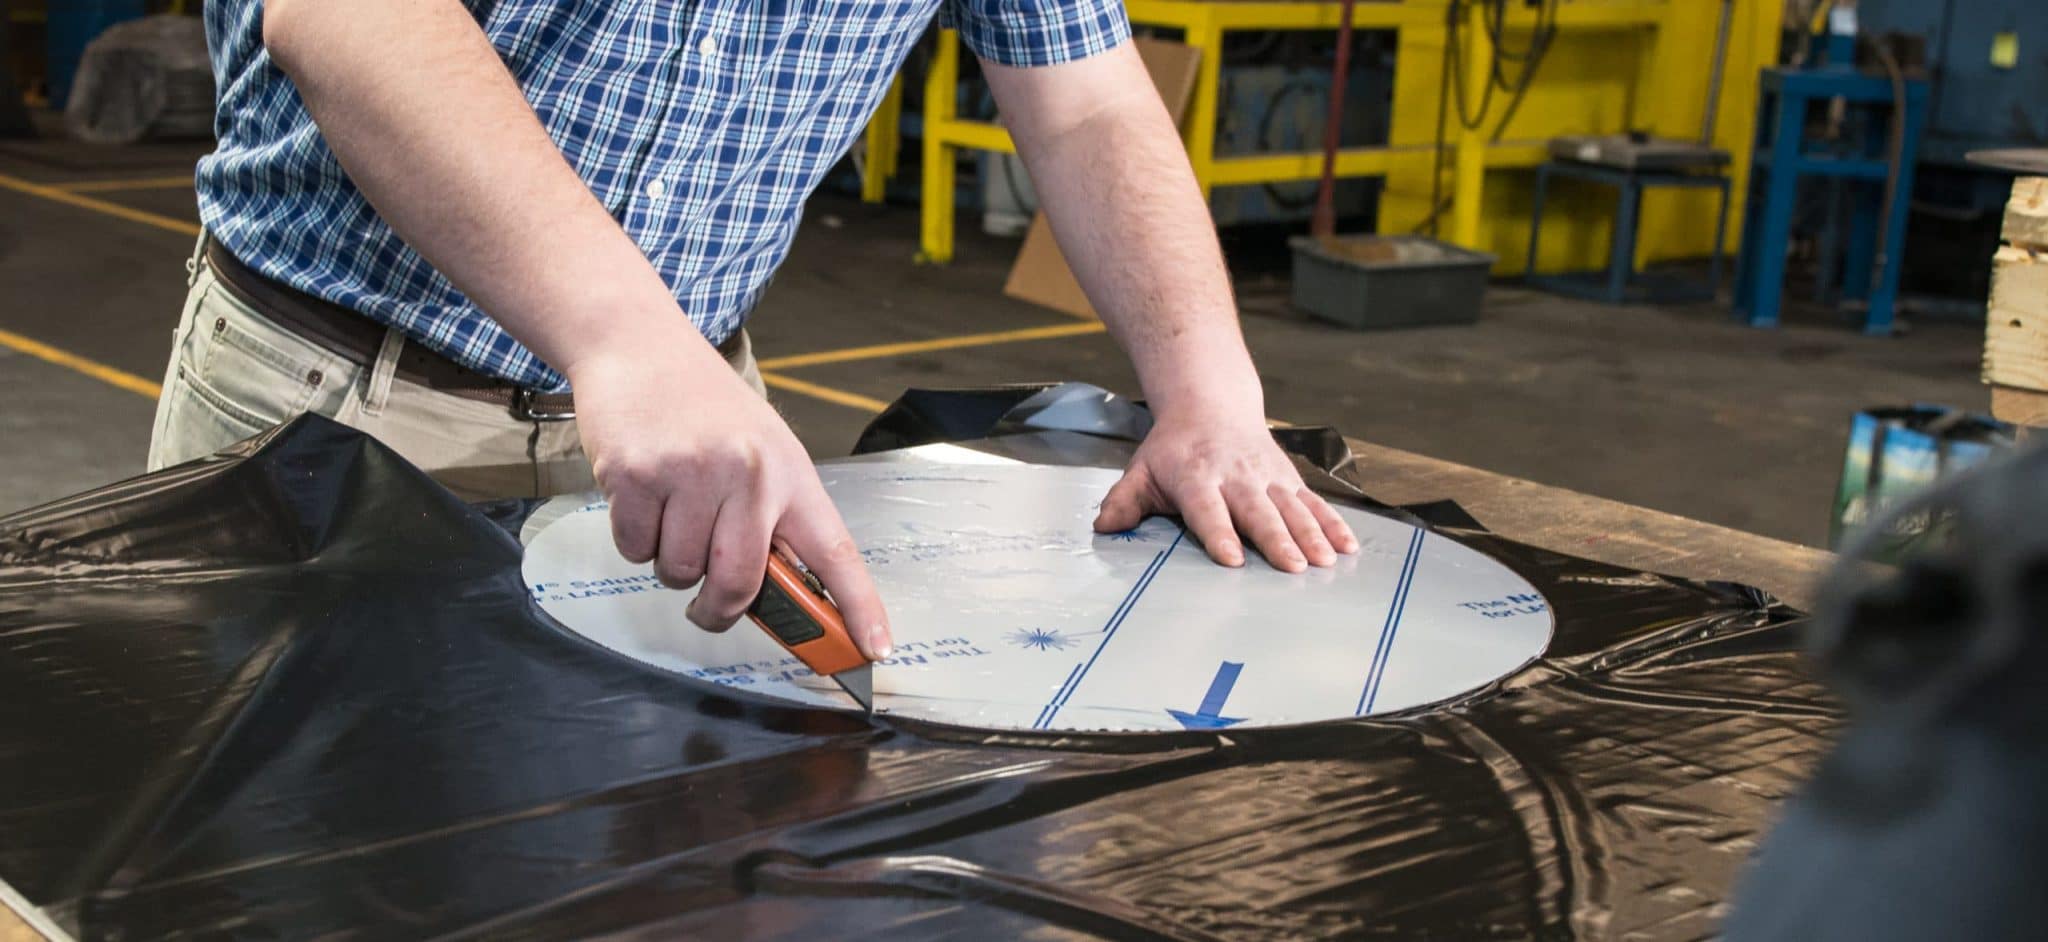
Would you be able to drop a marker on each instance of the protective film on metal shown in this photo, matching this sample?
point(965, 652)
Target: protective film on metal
point(299, 690)
point(1010, 612)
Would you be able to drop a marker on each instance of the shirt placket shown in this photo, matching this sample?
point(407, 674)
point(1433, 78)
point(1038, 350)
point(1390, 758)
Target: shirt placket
point(697, 74)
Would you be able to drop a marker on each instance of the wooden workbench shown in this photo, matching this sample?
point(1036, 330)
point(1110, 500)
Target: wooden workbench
point(1550, 517)
point(1596, 528)
point(13, 929)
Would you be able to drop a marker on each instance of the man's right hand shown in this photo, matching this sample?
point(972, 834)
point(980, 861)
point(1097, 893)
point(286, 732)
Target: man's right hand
point(704, 477)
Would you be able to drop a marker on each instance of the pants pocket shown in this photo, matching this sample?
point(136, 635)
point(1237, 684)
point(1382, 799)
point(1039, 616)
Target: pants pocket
point(235, 375)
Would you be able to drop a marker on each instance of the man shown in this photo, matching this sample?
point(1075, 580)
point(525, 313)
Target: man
point(432, 219)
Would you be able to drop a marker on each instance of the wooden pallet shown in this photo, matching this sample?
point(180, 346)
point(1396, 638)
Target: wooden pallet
point(2016, 330)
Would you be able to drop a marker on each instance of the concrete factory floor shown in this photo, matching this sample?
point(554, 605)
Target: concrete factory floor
point(1676, 409)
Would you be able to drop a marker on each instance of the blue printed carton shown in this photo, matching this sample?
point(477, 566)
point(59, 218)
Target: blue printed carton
point(1895, 453)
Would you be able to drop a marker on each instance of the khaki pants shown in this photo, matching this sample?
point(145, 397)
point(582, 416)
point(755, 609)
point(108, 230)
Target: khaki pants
point(234, 373)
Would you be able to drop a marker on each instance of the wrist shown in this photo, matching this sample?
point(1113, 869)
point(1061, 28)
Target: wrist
point(666, 337)
point(1219, 395)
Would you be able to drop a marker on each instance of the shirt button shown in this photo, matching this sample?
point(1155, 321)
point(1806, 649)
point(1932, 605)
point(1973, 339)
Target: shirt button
point(707, 47)
point(655, 189)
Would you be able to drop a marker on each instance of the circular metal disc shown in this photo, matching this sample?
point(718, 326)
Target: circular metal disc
point(1010, 612)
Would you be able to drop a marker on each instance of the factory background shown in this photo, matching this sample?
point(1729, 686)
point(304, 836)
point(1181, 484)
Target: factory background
point(1453, 120)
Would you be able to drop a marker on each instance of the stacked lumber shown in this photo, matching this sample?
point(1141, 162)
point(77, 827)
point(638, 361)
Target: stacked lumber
point(2016, 330)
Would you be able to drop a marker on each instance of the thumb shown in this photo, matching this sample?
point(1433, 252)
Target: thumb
point(1126, 504)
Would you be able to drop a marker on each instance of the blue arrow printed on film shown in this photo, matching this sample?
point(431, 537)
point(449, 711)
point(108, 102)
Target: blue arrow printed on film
point(1209, 714)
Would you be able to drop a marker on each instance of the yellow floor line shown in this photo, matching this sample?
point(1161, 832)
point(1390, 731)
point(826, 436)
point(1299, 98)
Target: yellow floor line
point(180, 182)
point(923, 346)
point(72, 361)
point(827, 393)
point(117, 210)
point(137, 384)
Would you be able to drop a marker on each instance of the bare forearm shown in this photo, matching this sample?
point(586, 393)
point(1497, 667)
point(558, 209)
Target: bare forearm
point(430, 126)
point(1116, 186)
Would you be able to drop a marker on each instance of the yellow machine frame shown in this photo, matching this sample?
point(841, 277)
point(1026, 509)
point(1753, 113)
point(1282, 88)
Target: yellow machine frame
point(1617, 64)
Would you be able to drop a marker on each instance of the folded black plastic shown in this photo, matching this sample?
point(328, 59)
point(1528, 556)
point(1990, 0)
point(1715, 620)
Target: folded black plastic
point(299, 690)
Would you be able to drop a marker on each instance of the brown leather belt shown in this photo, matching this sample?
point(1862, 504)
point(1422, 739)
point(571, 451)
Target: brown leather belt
point(357, 339)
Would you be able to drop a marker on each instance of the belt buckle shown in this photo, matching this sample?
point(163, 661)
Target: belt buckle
point(523, 408)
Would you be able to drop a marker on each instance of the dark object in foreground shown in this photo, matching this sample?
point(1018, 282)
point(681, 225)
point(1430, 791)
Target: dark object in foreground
point(1928, 820)
point(301, 690)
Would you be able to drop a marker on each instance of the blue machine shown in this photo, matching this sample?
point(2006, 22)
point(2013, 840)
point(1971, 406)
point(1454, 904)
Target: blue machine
point(1835, 123)
point(1989, 63)
point(1270, 108)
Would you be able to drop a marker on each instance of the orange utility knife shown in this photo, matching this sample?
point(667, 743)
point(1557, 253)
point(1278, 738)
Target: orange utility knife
point(794, 609)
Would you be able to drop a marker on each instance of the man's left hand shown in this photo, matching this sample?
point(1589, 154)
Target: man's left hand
point(1225, 479)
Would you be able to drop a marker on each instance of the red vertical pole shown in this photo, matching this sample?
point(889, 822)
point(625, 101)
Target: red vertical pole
point(1324, 223)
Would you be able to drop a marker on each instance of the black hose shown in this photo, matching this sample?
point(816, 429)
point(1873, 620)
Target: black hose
point(1544, 33)
point(1898, 158)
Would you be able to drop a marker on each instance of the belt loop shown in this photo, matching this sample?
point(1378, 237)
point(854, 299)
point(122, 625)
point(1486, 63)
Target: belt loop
point(192, 264)
point(377, 391)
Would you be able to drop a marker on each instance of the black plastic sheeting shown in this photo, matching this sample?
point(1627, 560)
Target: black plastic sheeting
point(299, 690)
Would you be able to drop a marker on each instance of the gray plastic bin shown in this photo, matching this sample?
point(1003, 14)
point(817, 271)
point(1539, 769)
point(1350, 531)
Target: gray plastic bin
point(1388, 281)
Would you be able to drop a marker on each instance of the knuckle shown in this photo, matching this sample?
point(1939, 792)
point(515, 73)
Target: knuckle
point(715, 616)
point(841, 550)
point(630, 549)
point(677, 575)
point(627, 525)
point(633, 540)
point(628, 472)
point(727, 591)
point(704, 617)
point(754, 465)
point(740, 464)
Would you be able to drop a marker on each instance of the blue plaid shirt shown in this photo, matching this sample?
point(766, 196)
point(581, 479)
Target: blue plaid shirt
point(703, 126)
